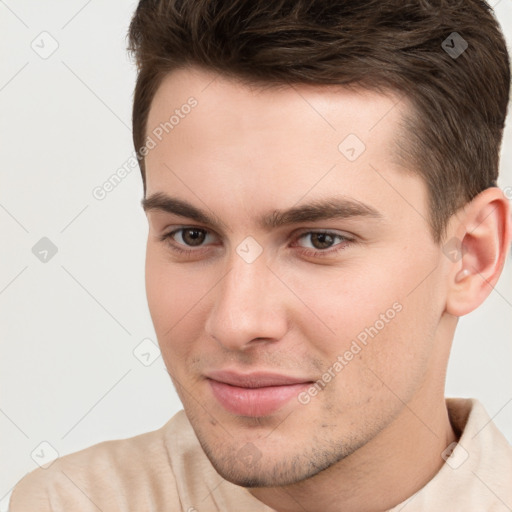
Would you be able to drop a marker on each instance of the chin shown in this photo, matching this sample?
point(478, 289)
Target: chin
point(286, 470)
point(258, 478)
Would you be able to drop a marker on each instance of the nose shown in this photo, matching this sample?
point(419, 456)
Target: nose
point(248, 306)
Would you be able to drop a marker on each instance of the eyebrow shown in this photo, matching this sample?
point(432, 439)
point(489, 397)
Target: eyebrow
point(321, 209)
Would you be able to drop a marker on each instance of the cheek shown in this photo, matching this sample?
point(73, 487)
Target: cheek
point(335, 306)
point(161, 290)
point(174, 296)
point(373, 320)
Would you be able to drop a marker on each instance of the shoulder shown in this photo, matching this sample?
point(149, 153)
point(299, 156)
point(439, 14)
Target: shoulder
point(112, 475)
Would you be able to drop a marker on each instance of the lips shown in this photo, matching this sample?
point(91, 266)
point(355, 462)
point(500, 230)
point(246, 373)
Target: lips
point(254, 394)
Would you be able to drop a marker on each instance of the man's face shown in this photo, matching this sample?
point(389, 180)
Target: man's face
point(259, 299)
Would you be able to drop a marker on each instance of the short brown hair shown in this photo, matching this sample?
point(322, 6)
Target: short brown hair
point(454, 134)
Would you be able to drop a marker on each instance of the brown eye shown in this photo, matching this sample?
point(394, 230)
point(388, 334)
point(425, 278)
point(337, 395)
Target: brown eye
point(192, 236)
point(323, 243)
point(189, 239)
point(321, 240)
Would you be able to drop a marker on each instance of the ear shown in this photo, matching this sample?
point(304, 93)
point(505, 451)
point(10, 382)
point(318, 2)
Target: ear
point(478, 248)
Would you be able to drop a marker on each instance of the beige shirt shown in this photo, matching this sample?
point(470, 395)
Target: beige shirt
point(167, 471)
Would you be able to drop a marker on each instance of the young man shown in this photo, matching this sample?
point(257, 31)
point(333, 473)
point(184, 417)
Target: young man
point(320, 186)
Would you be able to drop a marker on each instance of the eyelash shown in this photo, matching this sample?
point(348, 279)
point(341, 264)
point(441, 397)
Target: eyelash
point(342, 245)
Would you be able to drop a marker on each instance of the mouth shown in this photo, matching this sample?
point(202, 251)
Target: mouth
point(254, 394)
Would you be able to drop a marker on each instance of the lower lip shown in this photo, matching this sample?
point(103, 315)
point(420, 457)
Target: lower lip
point(254, 401)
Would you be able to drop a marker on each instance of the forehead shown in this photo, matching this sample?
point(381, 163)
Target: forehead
point(231, 104)
point(275, 143)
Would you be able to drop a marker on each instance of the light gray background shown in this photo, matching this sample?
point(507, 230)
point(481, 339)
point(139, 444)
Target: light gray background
point(69, 327)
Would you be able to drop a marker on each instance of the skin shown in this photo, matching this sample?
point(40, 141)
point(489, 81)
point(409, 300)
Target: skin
point(374, 435)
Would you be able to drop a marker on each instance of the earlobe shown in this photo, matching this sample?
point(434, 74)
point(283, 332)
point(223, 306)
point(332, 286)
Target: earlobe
point(484, 234)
